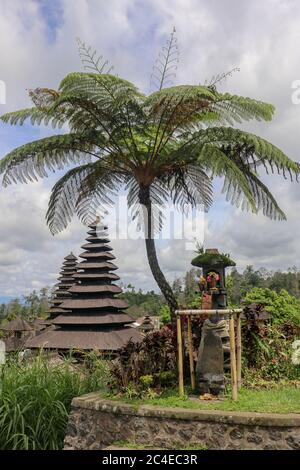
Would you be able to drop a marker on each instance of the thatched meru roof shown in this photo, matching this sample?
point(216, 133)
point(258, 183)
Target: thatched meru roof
point(66, 280)
point(91, 318)
point(17, 325)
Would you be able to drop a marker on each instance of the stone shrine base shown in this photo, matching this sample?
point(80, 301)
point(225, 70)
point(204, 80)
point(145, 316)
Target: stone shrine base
point(96, 423)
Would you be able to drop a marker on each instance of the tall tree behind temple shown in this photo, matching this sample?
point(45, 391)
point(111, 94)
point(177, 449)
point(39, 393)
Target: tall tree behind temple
point(238, 284)
point(28, 306)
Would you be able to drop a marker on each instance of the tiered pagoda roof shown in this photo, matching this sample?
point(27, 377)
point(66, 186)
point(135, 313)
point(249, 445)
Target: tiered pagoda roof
point(66, 280)
point(93, 318)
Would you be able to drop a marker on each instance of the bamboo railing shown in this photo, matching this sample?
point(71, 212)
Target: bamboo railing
point(235, 346)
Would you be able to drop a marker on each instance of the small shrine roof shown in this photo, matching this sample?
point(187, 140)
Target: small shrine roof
point(212, 257)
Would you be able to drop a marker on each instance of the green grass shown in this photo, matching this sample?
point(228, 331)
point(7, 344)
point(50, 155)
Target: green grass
point(274, 400)
point(35, 401)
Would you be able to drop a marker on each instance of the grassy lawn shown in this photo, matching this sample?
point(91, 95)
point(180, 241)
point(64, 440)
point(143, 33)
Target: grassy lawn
point(277, 400)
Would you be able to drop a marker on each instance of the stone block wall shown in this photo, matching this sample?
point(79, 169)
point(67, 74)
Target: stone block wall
point(96, 423)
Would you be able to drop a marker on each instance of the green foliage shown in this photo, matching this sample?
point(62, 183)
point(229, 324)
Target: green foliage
point(282, 306)
point(35, 400)
point(214, 259)
point(142, 303)
point(165, 314)
point(29, 307)
point(137, 371)
point(239, 284)
point(278, 399)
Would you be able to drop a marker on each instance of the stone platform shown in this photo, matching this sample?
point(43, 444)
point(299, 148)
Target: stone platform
point(96, 423)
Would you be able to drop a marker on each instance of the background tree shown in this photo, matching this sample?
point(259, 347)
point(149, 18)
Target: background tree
point(161, 147)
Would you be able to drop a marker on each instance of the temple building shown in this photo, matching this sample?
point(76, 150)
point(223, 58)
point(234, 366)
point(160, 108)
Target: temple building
point(16, 332)
point(66, 280)
point(92, 318)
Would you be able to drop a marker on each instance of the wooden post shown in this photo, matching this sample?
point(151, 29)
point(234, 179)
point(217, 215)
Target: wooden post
point(191, 356)
point(232, 358)
point(180, 357)
point(239, 350)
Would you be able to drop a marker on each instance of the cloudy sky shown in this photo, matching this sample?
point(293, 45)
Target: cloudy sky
point(38, 48)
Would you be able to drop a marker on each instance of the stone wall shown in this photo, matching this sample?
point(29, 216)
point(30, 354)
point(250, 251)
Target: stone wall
point(95, 423)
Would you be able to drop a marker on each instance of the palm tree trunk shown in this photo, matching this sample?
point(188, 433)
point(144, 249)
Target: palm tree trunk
point(144, 199)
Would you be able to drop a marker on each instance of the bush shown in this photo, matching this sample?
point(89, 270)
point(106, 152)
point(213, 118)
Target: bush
point(35, 400)
point(165, 314)
point(283, 307)
point(267, 347)
point(143, 366)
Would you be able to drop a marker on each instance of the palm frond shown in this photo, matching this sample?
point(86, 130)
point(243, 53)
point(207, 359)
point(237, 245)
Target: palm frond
point(164, 69)
point(220, 78)
point(86, 190)
point(191, 187)
point(36, 116)
point(98, 191)
point(33, 160)
point(233, 108)
point(104, 90)
point(91, 60)
point(63, 198)
point(236, 184)
point(264, 199)
point(255, 151)
point(43, 97)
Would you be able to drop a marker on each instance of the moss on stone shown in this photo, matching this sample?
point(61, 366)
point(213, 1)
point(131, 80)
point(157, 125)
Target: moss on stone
point(213, 259)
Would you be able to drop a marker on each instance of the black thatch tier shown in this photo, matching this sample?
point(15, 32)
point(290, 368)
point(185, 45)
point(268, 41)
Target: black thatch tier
point(60, 295)
point(58, 310)
point(66, 280)
point(64, 285)
point(91, 254)
point(68, 271)
point(96, 276)
point(95, 319)
point(56, 301)
point(95, 288)
point(93, 232)
point(97, 239)
point(95, 246)
point(106, 340)
point(104, 265)
point(87, 303)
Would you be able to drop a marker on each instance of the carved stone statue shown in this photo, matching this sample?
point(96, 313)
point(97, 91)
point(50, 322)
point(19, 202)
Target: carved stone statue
point(214, 350)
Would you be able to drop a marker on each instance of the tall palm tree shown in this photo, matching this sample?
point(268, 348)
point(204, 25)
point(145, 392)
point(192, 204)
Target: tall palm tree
point(165, 145)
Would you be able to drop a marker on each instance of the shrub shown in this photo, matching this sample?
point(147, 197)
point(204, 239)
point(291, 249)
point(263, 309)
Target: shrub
point(165, 314)
point(141, 366)
point(35, 400)
point(283, 307)
point(267, 347)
